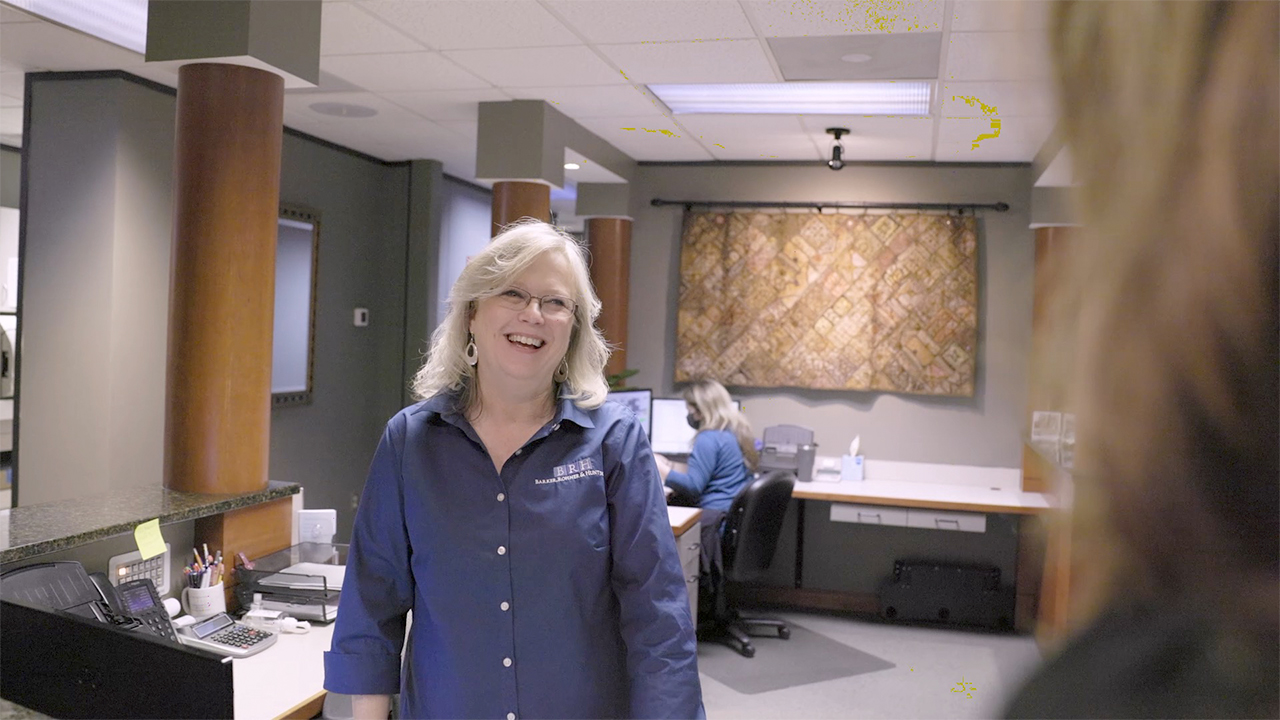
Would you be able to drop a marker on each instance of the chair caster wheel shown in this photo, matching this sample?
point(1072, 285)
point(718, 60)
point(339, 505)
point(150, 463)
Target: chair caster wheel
point(748, 651)
point(784, 633)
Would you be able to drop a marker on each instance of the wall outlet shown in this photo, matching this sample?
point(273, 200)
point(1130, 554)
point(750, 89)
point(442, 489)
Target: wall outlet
point(361, 317)
point(317, 525)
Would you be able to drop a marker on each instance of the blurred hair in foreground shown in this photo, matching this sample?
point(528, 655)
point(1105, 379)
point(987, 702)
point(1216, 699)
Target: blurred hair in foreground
point(1166, 327)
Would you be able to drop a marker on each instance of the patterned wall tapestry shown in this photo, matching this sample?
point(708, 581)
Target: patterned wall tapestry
point(871, 302)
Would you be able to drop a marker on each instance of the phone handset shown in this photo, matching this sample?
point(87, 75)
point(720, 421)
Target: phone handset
point(135, 605)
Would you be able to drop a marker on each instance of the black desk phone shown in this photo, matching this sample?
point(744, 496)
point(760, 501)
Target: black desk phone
point(137, 600)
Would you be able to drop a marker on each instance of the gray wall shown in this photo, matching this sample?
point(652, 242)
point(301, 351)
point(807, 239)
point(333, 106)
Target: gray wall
point(95, 300)
point(10, 177)
point(983, 430)
point(326, 446)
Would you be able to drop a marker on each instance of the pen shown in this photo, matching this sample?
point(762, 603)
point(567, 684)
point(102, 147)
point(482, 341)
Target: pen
point(206, 552)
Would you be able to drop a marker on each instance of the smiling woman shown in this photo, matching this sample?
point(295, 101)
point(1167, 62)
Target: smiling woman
point(521, 515)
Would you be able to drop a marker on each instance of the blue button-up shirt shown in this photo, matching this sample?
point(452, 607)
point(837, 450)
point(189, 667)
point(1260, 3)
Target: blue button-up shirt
point(552, 589)
point(717, 470)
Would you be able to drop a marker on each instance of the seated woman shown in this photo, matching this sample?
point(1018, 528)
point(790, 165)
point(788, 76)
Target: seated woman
point(721, 462)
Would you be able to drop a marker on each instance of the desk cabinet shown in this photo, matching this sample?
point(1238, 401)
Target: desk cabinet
point(690, 544)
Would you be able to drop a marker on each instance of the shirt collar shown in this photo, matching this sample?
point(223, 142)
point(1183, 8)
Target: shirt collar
point(445, 406)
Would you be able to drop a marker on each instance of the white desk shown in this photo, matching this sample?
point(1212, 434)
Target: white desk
point(935, 496)
point(279, 680)
point(282, 677)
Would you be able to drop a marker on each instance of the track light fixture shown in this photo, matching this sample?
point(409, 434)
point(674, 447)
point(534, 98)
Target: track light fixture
point(837, 150)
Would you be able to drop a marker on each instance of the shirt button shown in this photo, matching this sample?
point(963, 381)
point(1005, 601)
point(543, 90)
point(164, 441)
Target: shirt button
point(511, 716)
point(505, 606)
point(519, 451)
point(556, 426)
point(506, 662)
point(502, 496)
point(502, 549)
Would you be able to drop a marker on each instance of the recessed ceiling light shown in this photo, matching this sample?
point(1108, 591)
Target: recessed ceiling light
point(346, 110)
point(855, 57)
point(886, 97)
point(571, 166)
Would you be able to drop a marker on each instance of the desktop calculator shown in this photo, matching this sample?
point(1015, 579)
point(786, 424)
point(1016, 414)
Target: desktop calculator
point(225, 636)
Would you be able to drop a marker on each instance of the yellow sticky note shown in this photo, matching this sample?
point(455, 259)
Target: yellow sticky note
point(150, 541)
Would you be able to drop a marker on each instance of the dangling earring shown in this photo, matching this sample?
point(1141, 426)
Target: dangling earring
point(562, 372)
point(473, 356)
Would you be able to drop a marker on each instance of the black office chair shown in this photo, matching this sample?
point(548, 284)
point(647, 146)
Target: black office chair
point(751, 530)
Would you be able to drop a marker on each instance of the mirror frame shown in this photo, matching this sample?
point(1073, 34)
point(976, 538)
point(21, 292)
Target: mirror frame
point(304, 214)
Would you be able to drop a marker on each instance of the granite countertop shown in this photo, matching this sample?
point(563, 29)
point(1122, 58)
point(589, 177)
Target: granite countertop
point(14, 711)
point(48, 527)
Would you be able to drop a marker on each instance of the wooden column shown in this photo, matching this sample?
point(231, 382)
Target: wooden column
point(515, 199)
point(610, 241)
point(226, 205)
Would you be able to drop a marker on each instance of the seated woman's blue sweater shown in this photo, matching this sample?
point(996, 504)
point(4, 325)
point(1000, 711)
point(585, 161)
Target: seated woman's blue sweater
point(717, 471)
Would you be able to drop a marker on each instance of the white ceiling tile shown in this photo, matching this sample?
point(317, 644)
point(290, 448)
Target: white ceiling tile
point(598, 101)
point(11, 121)
point(647, 137)
point(1018, 140)
point(996, 56)
point(401, 71)
point(629, 21)
point(447, 104)
point(46, 46)
point(994, 15)
point(720, 61)
point(12, 84)
point(1006, 99)
point(458, 24)
point(164, 74)
point(466, 128)
point(345, 29)
point(751, 137)
point(11, 15)
point(795, 18)
point(892, 138)
point(534, 67)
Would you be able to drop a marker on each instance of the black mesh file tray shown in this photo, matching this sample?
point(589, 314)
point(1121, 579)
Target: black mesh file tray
point(303, 581)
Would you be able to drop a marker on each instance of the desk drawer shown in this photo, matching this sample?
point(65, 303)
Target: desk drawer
point(945, 520)
point(869, 514)
point(690, 544)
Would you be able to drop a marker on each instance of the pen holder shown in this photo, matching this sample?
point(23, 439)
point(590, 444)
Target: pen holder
point(204, 602)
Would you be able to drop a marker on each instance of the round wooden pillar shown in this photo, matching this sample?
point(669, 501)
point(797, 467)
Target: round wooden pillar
point(610, 241)
point(515, 199)
point(226, 207)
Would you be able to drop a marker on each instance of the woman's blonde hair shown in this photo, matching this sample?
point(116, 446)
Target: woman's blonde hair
point(720, 412)
point(489, 273)
point(1170, 113)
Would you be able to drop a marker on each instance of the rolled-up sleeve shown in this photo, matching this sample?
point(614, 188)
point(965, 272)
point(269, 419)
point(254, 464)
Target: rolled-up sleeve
point(656, 623)
point(378, 589)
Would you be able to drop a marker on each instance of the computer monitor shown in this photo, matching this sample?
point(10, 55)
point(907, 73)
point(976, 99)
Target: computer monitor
point(639, 401)
point(671, 432)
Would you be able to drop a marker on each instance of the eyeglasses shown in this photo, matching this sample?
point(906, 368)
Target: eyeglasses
point(552, 306)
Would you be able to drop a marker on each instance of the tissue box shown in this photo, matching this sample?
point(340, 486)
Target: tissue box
point(850, 468)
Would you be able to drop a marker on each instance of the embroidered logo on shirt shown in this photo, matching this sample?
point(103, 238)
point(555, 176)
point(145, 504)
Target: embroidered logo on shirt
point(586, 467)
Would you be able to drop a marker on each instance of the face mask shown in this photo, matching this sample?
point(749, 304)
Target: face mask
point(694, 422)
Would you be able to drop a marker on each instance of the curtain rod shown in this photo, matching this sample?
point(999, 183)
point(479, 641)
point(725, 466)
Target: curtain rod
point(820, 206)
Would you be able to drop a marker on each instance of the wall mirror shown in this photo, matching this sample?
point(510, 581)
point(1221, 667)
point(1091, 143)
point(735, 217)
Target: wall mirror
point(293, 339)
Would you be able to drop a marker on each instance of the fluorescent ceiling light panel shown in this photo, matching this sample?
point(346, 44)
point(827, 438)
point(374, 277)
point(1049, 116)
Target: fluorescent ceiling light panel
point(120, 22)
point(900, 97)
